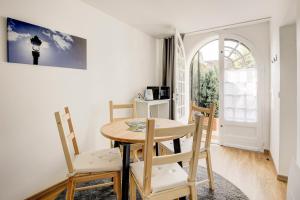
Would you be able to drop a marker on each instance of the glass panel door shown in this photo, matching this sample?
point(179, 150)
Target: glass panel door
point(240, 83)
point(180, 68)
point(224, 71)
point(239, 119)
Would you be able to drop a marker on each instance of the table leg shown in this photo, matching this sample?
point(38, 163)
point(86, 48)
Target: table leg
point(157, 149)
point(177, 149)
point(116, 144)
point(125, 172)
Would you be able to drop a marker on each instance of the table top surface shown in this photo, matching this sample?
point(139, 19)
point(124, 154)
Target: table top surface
point(118, 130)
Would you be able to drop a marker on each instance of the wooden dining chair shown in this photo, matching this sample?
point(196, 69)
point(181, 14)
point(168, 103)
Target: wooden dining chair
point(131, 107)
point(161, 177)
point(167, 147)
point(87, 166)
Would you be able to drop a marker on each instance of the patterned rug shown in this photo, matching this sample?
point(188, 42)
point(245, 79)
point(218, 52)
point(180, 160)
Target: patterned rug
point(225, 190)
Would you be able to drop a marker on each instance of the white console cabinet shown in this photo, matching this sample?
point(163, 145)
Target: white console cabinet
point(155, 108)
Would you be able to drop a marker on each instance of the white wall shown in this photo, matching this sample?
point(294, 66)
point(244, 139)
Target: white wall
point(256, 35)
point(121, 62)
point(298, 80)
point(275, 92)
point(283, 14)
point(288, 98)
point(293, 192)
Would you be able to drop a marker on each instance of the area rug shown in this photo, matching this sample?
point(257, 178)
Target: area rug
point(224, 190)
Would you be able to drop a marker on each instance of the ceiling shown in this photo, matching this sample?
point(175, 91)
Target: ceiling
point(160, 17)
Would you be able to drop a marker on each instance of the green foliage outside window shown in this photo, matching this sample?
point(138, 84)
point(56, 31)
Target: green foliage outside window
point(208, 82)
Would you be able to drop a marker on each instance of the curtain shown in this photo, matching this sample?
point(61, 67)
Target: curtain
point(168, 69)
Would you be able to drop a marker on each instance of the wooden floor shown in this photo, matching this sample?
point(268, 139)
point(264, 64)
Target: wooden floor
point(249, 171)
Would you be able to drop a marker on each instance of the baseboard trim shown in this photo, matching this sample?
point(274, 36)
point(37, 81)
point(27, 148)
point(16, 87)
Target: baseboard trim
point(282, 178)
point(243, 147)
point(51, 192)
point(267, 152)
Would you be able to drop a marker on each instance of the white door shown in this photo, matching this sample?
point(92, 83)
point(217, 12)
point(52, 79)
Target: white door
point(239, 113)
point(179, 95)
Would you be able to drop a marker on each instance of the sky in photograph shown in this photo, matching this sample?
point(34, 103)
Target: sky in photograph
point(57, 49)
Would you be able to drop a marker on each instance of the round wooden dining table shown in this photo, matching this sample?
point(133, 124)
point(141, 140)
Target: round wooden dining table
point(119, 132)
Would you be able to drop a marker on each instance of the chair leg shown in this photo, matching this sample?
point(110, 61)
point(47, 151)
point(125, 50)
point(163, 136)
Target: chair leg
point(117, 185)
point(132, 188)
point(193, 195)
point(135, 156)
point(70, 189)
point(209, 171)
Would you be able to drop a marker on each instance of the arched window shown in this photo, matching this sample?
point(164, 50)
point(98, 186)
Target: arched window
point(238, 75)
point(237, 55)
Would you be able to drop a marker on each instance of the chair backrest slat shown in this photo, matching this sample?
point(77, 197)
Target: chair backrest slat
point(122, 106)
point(66, 116)
point(209, 113)
point(71, 135)
point(66, 136)
point(113, 107)
point(71, 130)
point(192, 156)
point(196, 148)
point(210, 125)
point(172, 158)
point(176, 131)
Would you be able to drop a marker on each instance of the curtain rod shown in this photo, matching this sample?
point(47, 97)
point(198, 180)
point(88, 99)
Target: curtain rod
point(234, 25)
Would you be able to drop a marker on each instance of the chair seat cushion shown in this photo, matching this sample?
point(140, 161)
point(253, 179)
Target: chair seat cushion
point(164, 177)
point(98, 161)
point(185, 145)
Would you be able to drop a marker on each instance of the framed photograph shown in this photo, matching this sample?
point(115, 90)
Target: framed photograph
point(36, 45)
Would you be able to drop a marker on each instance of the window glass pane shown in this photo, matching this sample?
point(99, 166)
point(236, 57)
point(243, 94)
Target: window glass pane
point(229, 89)
point(243, 49)
point(210, 52)
point(251, 75)
point(251, 89)
point(240, 101)
point(240, 85)
point(235, 55)
point(238, 63)
point(251, 102)
point(228, 64)
point(228, 101)
point(239, 115)
point(251, 116)
point(227, 52)
point(228, 113)
point(180, 67)
point(181, 74)
point(230, 43)
point(249, 61)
